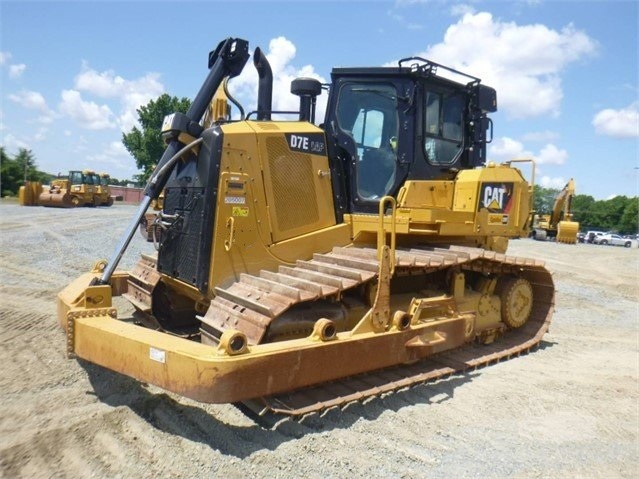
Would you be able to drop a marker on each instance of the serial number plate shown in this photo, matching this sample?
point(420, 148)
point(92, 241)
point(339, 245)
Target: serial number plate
point(157, 355)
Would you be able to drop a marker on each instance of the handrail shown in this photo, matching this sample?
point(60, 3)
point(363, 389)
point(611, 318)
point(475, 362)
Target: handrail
point(381, 231)
point(532, 179)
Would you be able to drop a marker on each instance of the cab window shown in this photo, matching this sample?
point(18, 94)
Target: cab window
point(368, 113)
point(75, 178)
point(443, 135)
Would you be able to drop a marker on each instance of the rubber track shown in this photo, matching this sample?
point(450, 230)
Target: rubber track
point(358, 388)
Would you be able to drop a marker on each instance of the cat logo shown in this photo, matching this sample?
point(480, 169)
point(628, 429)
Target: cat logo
point(495, 197)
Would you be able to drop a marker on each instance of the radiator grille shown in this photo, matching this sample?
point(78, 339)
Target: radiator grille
point(292, 185)
point(181, 246)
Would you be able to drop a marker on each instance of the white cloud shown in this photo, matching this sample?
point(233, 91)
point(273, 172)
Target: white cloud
point(523, 62)
point(131, 101)
point(34, 100)
point(105, 84)
point(622, 123)
point(280, 52)
point(114, 157)
point(505, 149)
point(29, 99)
point(16, 71)
point(131, 94)
point(556, 183)
point(551, 155)
point(461, 9)
point(87, 114)
point(13, 143)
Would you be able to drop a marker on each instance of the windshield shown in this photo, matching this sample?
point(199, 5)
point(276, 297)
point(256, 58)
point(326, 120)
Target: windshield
point(76, 177)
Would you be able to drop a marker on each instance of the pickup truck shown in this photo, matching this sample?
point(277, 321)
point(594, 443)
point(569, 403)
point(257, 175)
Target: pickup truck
point(612, 239)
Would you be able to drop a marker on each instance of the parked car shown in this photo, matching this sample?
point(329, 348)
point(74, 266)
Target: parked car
point(591, 235)
point(612, 239)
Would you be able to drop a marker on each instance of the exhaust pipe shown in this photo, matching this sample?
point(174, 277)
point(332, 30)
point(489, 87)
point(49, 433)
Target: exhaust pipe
point(265, 87)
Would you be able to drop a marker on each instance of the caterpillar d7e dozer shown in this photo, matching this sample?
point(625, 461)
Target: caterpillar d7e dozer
point(303, 267)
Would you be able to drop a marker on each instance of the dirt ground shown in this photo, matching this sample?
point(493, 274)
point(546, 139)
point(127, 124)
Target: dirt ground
point(569, 409)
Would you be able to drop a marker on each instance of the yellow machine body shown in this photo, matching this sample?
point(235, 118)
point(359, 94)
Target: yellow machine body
point(271, 288)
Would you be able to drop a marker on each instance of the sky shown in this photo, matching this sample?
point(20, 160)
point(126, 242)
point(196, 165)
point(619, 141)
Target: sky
point(72, 74)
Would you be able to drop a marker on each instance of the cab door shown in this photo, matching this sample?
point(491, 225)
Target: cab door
point(367, 119)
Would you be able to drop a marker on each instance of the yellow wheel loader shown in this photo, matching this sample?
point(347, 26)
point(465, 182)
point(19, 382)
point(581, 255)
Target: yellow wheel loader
point(304, 267)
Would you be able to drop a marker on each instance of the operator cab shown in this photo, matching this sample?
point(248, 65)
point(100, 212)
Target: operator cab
point(389, 125)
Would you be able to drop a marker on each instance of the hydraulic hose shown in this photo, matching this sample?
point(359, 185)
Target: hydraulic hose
point(124, 242)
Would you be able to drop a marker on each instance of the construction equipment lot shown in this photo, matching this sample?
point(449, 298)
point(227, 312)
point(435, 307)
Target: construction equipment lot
point(569, 409)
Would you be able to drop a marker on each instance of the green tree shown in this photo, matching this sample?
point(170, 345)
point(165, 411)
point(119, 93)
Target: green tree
point(14, 171)
point(27, 164)
point(544, 199)
point(17, 170)
point(629, 221)
point(614, 209)
point(146, 144)
point(9, 174)
point(582, 208)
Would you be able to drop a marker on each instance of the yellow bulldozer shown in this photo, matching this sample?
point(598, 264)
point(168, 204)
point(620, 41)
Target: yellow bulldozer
point(303, 267)
point(559, 224)
point(79, 188)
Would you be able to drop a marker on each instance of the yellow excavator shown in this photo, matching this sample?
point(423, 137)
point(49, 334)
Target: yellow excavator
point(303, 267)
point(559, 224)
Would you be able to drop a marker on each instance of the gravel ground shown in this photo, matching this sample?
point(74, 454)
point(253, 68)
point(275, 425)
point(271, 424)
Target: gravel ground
point(569, 409)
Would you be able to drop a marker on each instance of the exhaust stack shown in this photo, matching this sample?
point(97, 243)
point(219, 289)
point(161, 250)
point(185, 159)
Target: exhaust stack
point(265, 86)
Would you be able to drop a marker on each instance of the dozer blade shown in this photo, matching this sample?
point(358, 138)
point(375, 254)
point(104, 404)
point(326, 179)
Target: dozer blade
point(59, 200)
